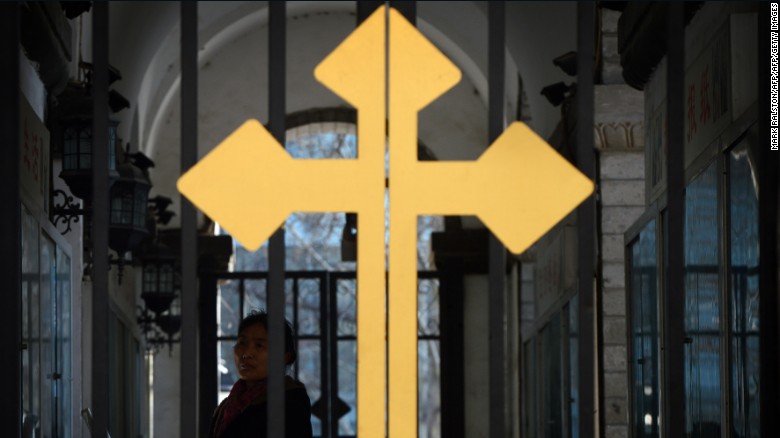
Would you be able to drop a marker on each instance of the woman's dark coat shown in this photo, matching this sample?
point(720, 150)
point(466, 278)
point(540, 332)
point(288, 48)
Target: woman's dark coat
point(253, 421)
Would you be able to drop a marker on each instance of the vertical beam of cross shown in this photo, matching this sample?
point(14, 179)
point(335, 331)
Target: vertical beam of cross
point(418, 74)
point(352, 71)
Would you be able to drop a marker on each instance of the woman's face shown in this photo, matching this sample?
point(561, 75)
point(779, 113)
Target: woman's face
point(251, 353)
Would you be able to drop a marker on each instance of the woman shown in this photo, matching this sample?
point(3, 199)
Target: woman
point(244, 412)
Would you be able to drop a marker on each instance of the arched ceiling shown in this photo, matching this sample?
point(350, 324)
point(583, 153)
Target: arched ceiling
point(144, 46)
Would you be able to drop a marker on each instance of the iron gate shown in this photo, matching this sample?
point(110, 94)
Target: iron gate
point(321, 307)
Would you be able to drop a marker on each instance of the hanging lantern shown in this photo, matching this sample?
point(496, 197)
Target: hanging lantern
point(170, 321)
point(161, 315)
point(73, 135)
point(76, 139)
point(158, 285)
point(129, 205)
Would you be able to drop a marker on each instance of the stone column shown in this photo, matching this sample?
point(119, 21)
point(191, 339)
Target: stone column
point(619, 138)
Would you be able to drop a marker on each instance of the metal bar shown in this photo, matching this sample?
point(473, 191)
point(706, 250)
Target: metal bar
point(209, 375)
point(189, 224)
point(325, 355)
point(295, 319)
point(407, 8)
point(10, 222)
point(242, 300)
point(586, 217)
point(276, 250)
point(723, 200)
point(365, 8)
point(496, 251)
point(452, 359)
point(333, 352)
point(769, 308)
point(674, 294)
point(100, 206)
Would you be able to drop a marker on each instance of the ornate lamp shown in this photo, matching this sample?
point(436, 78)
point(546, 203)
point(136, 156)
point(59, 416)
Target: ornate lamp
point(170, 323)
point(73, 136)
point(77, 148)
point(129, 206)
point(160, 318)
point(158, 285)
point(74, 114)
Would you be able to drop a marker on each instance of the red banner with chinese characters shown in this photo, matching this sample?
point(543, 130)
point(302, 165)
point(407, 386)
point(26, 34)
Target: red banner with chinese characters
point(708, 94)
point(34, 155)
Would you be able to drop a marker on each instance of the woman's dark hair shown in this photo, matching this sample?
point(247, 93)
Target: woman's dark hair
point(261, 317)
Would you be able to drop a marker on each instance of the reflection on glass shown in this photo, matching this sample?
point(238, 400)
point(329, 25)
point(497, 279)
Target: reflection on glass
point(428, 307)
point(308, 307)
point(48, 315)
point(346, 302)
point(30, 319)
point(347, 381)
point(228, 308)
point(428, 390)
point(644, 332)
point(64, 343)
point(308, 372)
point(254, 296)
point(744, 294)
point(226, 365)
point(552, 393)
point(425, 226)
point(702, 307)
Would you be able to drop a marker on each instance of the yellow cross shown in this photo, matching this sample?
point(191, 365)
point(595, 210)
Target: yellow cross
point(519, 187)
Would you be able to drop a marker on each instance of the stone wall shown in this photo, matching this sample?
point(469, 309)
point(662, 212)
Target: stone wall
point(622, 191)
point(619, 134)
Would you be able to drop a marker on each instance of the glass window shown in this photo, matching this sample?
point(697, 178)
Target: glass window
point(47, 322)
point(529, 388)
point(31, 360)
point(111, 146)
point(70, 148)
point(308, 291)
point(85, 148)
point(552, 384)
point(702, 307)
point(166, 278)
point(428, 359)
point(63, 345)
point(574, 417)
point(139, 206)
point(346, 355)
point(228, 309)
point(744, 293)
point(347, 386)
point(429, 393)
point(643, 296)
point(46, 333)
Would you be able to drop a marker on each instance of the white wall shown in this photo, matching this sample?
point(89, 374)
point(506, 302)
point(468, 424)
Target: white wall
point(166, 392)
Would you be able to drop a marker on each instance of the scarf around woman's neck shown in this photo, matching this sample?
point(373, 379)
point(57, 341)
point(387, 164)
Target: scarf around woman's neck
point(241, 396)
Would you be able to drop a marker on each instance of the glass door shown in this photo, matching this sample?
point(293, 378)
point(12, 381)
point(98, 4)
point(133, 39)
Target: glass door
point(46, 339)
